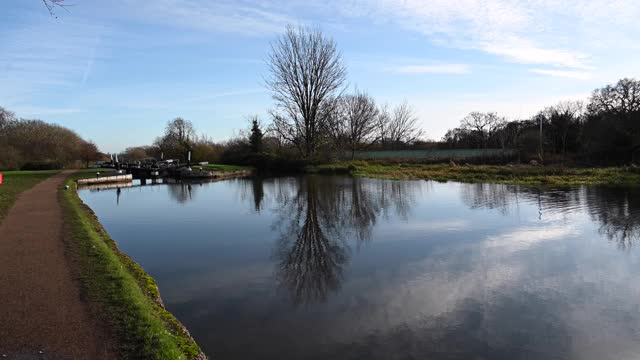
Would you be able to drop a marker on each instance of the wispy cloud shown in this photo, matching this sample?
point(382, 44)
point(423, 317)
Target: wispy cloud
point(240, 17)
point(503, 28)
point(432, 69)
point(33, 111)
point(580, 75)
point(539, 32)
point(34, 61)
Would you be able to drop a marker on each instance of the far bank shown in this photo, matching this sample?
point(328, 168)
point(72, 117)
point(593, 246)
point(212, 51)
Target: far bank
point(507, 174)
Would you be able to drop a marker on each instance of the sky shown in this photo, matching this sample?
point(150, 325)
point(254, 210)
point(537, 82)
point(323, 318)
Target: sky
point(116, 71)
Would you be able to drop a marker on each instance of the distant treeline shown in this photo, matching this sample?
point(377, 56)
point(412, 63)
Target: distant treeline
point(36, 145)
point(605, 130)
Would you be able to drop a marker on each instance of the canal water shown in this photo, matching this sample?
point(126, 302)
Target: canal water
point(322, 267)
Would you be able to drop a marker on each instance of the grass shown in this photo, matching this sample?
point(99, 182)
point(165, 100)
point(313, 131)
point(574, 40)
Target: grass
point(524, 175)
point(16, 182)
point(120, 292)
point(222, 167)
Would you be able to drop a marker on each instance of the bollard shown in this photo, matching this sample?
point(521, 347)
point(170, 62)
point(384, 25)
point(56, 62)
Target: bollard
point(0, 178)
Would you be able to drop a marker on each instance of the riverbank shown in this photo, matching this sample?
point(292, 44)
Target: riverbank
point(517, 174)
point(120, 292)
point(15, 182)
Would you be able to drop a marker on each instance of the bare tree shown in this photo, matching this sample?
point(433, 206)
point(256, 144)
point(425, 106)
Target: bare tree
point(402, 126)
point(178, 138)
point(382, 123)
point(306, 70)
point(562, 117)
point(6, 117)
point(354, 123)
point(482, 124)
point(620, 99)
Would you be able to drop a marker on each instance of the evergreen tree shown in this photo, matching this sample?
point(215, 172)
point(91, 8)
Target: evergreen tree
point(255, 139)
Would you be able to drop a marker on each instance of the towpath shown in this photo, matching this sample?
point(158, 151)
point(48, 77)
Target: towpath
point(42, 315)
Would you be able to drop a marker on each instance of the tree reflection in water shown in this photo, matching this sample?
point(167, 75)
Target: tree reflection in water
point(317, 220)
point(617, 210)
point(181, 192)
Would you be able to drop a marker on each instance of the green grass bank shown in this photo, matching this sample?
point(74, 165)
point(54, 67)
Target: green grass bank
point(517, 174)
point(222, 167)
point(120, 293)
point(15, 182)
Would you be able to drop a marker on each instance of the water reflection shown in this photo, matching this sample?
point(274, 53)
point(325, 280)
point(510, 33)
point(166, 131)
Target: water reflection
point(315, 221)
point(617, 210)
point(257, 186)
point(346, 268)
point(310, 249)
point(507, 198)
point(181, 192)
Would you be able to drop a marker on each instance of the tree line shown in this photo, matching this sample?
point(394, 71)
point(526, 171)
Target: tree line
point(316, 118)
point(34, 144)
point(605, 130)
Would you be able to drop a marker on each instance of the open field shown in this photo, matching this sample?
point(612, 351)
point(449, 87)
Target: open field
point(525, 175)
point(16, 182)
point(121, 293)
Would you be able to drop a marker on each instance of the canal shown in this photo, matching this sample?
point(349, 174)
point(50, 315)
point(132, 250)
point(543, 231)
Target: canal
point(331, 267)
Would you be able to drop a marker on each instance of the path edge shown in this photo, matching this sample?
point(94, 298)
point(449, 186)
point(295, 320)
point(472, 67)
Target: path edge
point(120, 294)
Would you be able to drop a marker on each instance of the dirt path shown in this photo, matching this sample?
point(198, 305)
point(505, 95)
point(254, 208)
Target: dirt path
point(41, 313)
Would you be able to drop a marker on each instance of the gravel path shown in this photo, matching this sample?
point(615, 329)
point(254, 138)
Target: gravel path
point(41, 313)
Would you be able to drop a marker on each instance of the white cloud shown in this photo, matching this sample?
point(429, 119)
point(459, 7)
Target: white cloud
point(580, 75)
point(520, 50)
point(522, 239)
point(539, 32)
point(433, 69)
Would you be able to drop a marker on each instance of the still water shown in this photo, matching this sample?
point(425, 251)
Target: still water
point(322, 267)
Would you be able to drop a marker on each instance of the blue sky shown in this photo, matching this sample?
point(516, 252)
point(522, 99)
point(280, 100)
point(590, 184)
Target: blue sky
point(117, 70)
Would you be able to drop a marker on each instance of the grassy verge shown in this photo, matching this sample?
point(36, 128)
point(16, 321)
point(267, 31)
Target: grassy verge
point(121, 294)
point(524, 175)
point(16, 182)
point(222, 167)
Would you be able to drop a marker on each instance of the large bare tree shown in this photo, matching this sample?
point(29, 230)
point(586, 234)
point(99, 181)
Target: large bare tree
point(482, 124)
point(401, 125)
point(306, 70)
point(354, 124)
point(620, 99)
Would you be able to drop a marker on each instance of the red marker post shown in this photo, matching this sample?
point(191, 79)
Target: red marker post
point(0, 178)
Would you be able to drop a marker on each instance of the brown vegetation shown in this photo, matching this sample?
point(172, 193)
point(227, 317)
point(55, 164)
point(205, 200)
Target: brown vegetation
point(36, 145)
